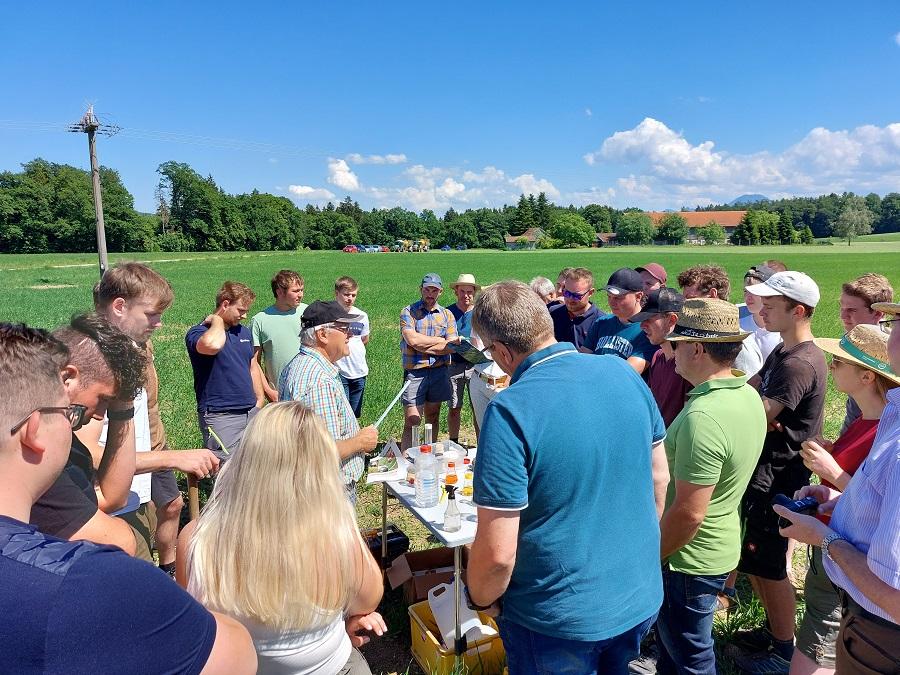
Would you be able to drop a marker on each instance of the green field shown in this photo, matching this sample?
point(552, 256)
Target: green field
point(44, 290)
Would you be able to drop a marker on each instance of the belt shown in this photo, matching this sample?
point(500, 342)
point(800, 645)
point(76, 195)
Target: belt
point(419, 370)
point(851, 606)
point(494, 381)
point(230, 411)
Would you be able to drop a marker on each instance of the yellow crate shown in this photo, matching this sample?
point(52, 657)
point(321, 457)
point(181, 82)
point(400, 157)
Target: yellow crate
point(484, 657)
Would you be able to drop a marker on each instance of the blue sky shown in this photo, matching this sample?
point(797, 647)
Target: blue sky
point(466, 104)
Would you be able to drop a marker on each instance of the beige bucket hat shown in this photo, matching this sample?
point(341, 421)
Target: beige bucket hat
point(466, 280)
point(864, 346)
point(708, 320)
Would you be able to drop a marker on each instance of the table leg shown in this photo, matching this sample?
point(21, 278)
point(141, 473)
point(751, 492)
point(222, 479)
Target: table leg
point(384, 561)
point(459, 646)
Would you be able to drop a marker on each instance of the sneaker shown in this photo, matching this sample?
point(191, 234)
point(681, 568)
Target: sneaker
point(763, 663)
point(645, 664)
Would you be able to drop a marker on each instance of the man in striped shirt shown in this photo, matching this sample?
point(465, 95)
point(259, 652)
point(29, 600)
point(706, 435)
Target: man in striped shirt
point(861, 544)
point(312, 378)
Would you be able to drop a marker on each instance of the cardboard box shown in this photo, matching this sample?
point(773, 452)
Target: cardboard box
point(421, 571)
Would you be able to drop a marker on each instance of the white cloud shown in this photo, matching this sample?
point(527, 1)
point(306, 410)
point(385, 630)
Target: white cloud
point(528, 184)
point(489, 174)
point(669, 170)
point(310, 193)
point(897, 39)
point(356, 158)
point(588, 112)
point(339, 174)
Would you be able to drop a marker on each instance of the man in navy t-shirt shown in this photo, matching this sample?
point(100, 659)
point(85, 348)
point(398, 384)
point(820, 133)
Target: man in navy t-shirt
point(75, 606)
point(227, 379)
point(573, 318)
point(614, 333)
point(568, 531)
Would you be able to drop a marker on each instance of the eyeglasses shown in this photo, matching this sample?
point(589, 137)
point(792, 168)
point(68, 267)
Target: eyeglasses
point(572, 295)
point(75, 414)
point(490, 347)
point(351, 329)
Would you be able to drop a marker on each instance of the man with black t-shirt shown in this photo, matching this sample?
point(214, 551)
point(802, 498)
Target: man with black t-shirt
point(104, 373)
point(792, 384)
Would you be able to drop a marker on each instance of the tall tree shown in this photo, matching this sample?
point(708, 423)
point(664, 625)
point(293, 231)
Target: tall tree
point(854, 220)
point(634, 227)
point(672, 229)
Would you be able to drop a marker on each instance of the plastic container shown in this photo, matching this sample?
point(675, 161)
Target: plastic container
point(451, 478)
point(441, 601)
point(468, 478)
point(397, 542)
point(427, 488)
point(484, 656)
point(452, 516)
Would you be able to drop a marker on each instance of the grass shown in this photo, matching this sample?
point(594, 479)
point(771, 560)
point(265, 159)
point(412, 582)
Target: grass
point(44, 290)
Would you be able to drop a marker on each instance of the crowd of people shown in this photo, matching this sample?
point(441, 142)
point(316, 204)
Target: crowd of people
point(626, 471)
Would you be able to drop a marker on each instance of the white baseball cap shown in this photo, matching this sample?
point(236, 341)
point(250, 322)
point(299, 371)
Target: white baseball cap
point(794, 285)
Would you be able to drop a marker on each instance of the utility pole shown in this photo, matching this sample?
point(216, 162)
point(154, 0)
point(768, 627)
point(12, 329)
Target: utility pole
point(91, 126)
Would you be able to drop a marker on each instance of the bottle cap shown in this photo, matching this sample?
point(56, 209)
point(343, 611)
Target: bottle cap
point(451, 491)
point(425, 448)
point(451, 465)
point(466, 460)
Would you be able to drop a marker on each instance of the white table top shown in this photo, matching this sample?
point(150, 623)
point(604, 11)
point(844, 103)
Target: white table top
point(433, 518)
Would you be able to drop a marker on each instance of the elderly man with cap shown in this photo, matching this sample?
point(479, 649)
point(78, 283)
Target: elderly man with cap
point(312, 378)
point(614, 333)
point(427, 330)
point(792, 384)
point(653, 275)
point(712, 448)
point(465, 287)
point(861, 543)
point(657, 319)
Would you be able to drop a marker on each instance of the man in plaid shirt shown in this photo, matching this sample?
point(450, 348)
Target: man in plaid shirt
point(426, 329)
point(312, 378)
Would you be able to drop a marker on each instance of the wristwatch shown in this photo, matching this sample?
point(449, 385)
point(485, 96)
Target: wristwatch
point(471, 603)
point(828, 541)
point(120, 415)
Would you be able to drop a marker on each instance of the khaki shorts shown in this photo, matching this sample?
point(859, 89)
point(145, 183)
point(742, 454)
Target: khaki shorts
point(818, 631)
point(143, 524)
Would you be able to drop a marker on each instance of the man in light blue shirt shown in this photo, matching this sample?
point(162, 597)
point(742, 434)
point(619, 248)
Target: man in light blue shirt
point(569, 490)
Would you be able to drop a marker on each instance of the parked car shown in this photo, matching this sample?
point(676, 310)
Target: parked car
point(461, 247)
point(385, 249)
point(445, 247)
point(350, 248)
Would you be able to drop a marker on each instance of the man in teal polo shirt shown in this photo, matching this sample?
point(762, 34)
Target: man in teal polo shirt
point(712, 448)
point(568, 533)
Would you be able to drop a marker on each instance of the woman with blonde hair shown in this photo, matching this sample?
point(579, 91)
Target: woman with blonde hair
point(277, 548)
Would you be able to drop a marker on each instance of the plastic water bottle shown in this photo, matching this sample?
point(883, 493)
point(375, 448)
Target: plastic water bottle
point(426, 478)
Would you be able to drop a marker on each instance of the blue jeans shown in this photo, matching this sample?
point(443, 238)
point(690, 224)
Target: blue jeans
point(530, 653)
point(684, 627)
point(353, 390)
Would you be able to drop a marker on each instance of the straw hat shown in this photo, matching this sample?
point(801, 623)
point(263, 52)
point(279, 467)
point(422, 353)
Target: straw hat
point(708, 320)
point(864, 346)
point(466, 280)
point(887, 307)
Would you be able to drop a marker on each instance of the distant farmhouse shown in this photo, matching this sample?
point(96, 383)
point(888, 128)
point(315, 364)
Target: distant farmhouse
point(527, 241)
point(729, 220)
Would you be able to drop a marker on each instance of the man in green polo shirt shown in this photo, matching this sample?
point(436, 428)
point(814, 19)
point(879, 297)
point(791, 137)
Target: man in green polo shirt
point(712, 447)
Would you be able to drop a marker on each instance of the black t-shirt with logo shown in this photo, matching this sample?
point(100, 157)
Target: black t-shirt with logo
point(796, 378)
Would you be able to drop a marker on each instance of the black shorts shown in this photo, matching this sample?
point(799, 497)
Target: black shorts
point(764, 551)
point(163, 487)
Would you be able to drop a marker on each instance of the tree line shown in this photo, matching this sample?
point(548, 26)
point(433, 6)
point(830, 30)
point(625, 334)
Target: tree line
point(48, 207)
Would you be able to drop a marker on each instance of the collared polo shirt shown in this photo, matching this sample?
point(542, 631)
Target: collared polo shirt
point(868, 512)
point(577, 468)
point(715, 440)
point(573, 329)
point(437, 322)
point(315, 381)
point(222, 381)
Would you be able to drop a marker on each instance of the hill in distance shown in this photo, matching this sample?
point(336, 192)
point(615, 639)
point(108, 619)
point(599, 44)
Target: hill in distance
point(748, 199)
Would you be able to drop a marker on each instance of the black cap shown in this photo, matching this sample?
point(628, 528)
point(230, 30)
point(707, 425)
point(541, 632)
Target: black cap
point(624, 280)
point(319, 313)
point(660, 301)
point(760, 272)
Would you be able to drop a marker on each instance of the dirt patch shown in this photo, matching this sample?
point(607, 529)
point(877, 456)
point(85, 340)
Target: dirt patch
point(43, 287)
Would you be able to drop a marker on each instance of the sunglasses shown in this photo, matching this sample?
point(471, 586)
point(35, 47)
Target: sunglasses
point(572, 295)
point(885, 322)
point(351, 329)
point(74, 413)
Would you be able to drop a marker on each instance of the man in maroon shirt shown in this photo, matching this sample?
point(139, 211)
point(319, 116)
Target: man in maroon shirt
point(658, 319)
